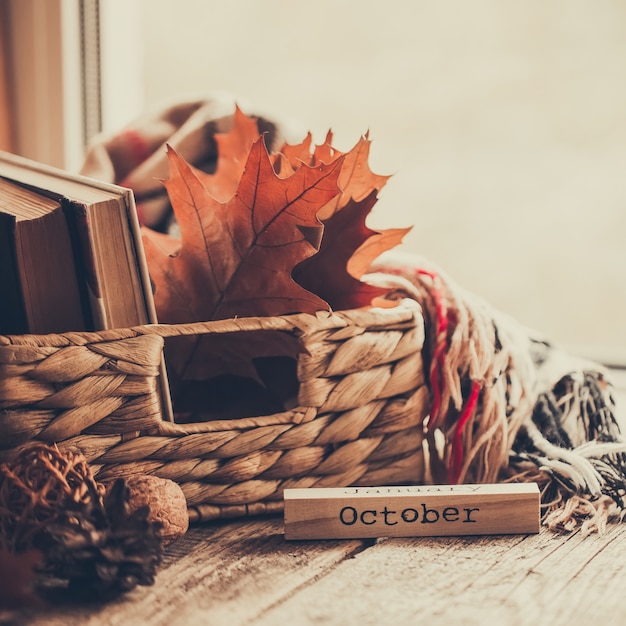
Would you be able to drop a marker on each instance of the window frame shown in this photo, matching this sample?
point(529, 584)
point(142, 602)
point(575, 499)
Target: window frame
point(46, 63)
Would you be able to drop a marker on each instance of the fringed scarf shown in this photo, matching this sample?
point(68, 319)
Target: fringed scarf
point(507, 405)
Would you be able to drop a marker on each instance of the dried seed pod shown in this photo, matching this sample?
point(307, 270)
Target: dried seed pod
point(34, 488)
point(166, 501)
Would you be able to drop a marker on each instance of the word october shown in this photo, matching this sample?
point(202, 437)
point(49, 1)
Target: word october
point(411, 511)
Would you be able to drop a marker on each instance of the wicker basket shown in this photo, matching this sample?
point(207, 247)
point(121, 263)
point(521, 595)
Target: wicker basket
point(361, 404)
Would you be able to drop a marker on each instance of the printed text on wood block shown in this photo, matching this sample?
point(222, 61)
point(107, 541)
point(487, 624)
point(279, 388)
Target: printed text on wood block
point(411, 511)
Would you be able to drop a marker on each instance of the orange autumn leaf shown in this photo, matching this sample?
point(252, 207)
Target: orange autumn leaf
point(379, 242)
point(348, 246)
point(236, 257)
point(327, 153)
point(356, 180)
point(233, 149)
point(326, 272)
point(309, 154)
point(297, 154)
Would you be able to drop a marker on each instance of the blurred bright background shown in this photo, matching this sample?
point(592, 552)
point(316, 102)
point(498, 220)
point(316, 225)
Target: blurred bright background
point(503, 124)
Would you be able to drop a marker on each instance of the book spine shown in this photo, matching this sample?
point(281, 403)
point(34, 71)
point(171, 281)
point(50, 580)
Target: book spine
point(12, 311)
point(86, 265)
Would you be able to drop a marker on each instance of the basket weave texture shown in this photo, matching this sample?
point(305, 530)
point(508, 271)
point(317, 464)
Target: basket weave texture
point(361, 403)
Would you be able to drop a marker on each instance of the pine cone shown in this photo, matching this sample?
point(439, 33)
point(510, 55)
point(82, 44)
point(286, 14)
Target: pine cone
point(101, 549)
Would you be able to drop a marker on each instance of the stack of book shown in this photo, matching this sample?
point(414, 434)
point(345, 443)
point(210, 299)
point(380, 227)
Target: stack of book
point(71, 256)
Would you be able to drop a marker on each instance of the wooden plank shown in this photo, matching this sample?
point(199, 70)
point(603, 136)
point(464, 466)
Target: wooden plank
point(411, 511)
point(226, 573)
point(523, 580)
point(244, 572)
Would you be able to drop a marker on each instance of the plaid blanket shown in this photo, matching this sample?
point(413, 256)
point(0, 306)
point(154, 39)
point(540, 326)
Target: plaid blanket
point(135, 156)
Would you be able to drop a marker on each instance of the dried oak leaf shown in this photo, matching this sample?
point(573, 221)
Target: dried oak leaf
point(377, 243)
point(236, 257)
point(348, 245)
point(326, 273)
point(356, 180)
point(233, 149)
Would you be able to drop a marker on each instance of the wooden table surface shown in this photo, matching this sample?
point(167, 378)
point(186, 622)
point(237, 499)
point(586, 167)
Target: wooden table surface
point(244, 572)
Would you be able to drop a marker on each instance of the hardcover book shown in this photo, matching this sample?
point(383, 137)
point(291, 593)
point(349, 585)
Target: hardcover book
point(103, 226)
point(39, 287)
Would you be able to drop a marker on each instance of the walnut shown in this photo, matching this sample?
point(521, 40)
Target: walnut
point(165, 500)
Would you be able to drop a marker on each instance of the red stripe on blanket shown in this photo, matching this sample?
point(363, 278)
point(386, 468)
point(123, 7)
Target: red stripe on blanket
point(439, 352)
point(456, 454)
